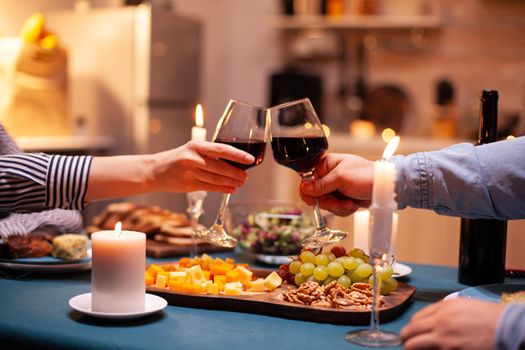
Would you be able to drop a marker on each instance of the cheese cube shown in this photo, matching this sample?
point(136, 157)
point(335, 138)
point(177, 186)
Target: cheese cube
point(195, 275)
point(161, 281)
point(245, 275)
point(256, 286)
point(178, 275)
point(272, 281)
point(212, 288)
point(232, 288)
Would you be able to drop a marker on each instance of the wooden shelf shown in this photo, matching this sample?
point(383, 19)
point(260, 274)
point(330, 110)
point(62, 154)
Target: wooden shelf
point(376, 22)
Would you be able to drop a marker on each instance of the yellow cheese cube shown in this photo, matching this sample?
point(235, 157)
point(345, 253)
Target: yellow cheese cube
point(245, 275)
point(272, 281)
point(233, 288)
point(178, 275)
point(212, 288)
point(149, 279)
point(195, 275)
point(161, 281)
point(256, 286)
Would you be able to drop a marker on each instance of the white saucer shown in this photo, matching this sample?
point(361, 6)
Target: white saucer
point(82, 303)
point(401, 270)
point(452, 296)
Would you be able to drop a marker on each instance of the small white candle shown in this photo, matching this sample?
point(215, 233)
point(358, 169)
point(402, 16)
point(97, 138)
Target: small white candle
point(198, 133)
point(383, 203)
point(361, 222)
point(117, 272)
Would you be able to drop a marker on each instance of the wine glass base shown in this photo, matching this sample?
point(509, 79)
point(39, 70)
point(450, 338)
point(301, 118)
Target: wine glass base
point(216, 236)
point(323, 238)
point(373, 339)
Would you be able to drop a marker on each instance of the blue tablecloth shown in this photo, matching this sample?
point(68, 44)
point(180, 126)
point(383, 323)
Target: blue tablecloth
point(34, 314)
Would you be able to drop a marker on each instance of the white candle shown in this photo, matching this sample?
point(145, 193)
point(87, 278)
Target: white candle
point(395, 220)
point(361, 222)
point(383, 203)
point(198, 133)
point(117, 272)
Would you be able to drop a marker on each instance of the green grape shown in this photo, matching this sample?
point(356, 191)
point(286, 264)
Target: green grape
point(321, 260)
point(307, 269)
point(299, 279)
point(359, 261)
point(363, 270)
point(320, 273)
point(311, 279)
point(371, 280)
point(335, 269)
point(307, 256)
point(345, 281)
point(354, 278)
point(386, 272)
point(331, 256)
point(350, 263)
point(358, 253)
point(328, 280)
point(391, 283)
point(294, 266)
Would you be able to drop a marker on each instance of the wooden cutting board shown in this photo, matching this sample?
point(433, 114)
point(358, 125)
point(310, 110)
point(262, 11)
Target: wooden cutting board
point(267, 303)
point(157, 249)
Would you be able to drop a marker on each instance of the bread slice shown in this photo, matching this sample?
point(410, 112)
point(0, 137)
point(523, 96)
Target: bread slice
point(513, 298)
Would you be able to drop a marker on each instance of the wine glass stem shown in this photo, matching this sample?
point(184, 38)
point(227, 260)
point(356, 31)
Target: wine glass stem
point(319, 221)
point(219, 221)
point(194, 222)
point(376, 291)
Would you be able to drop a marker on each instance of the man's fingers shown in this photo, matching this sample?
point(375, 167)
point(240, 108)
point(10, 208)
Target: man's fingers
point(220, 150)
point(338, 207)
point(320, 187)
point(423, 341)
point(415, 328)
point(426, 311)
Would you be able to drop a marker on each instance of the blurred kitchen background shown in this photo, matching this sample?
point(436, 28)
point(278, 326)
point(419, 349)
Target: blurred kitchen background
point(123, 77)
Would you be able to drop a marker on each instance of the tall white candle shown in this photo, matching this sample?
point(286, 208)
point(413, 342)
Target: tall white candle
point(198, 132)
point(361, 222)
point(383, 203)
point(117, 272)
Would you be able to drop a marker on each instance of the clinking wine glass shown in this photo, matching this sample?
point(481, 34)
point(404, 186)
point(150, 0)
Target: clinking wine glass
point(243, 126)
point(299, 143)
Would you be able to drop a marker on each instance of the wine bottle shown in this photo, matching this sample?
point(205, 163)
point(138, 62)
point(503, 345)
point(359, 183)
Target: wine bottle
point(482, 244)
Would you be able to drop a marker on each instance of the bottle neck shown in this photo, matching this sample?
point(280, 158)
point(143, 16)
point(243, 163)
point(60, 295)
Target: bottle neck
point(488, 117)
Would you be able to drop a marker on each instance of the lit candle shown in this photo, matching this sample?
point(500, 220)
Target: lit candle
point(383, 203)
point(395, 220)
point(117, 272)
point(198, 133)
point(361, 222)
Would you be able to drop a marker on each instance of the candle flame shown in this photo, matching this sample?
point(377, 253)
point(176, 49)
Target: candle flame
point(199, 117)
point(391, 148)
point(118, 228)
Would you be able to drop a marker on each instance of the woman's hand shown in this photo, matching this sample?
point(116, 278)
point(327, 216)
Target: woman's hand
point(456, 324)
point(199, 166)
point(191, 167)
point(343, 183)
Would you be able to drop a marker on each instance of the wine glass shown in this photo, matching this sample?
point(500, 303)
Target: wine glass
point(243, 126)
point(379, 242)
point(299, 143)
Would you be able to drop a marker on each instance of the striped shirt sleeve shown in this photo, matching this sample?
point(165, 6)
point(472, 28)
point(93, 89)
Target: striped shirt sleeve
point(35, 182)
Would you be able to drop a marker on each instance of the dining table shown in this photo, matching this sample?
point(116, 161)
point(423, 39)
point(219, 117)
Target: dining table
point(35, 314)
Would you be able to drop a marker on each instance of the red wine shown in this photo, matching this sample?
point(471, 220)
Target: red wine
point(255, 148)
point(482, 244)
point(299, 153)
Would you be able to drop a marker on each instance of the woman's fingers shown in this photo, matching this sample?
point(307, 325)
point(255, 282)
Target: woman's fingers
point(217, 179)
point(209, 187)
point(219, 167)
point(220, 150)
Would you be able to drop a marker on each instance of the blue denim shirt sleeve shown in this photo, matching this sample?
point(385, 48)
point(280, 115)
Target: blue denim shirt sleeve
point(510, 333)
point(486, 181)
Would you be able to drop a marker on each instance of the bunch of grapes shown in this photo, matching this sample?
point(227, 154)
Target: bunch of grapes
point(338, 266)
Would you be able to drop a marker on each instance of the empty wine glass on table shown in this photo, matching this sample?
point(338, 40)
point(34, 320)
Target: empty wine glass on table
point(299, 143)
point(243, 126)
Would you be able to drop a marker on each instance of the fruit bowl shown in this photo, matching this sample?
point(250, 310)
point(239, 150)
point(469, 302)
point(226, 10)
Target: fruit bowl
point(271, 231)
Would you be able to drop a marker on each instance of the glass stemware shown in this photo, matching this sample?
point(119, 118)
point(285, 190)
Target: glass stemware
point(379, 241)
point(299, 143)
point(243, 126)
